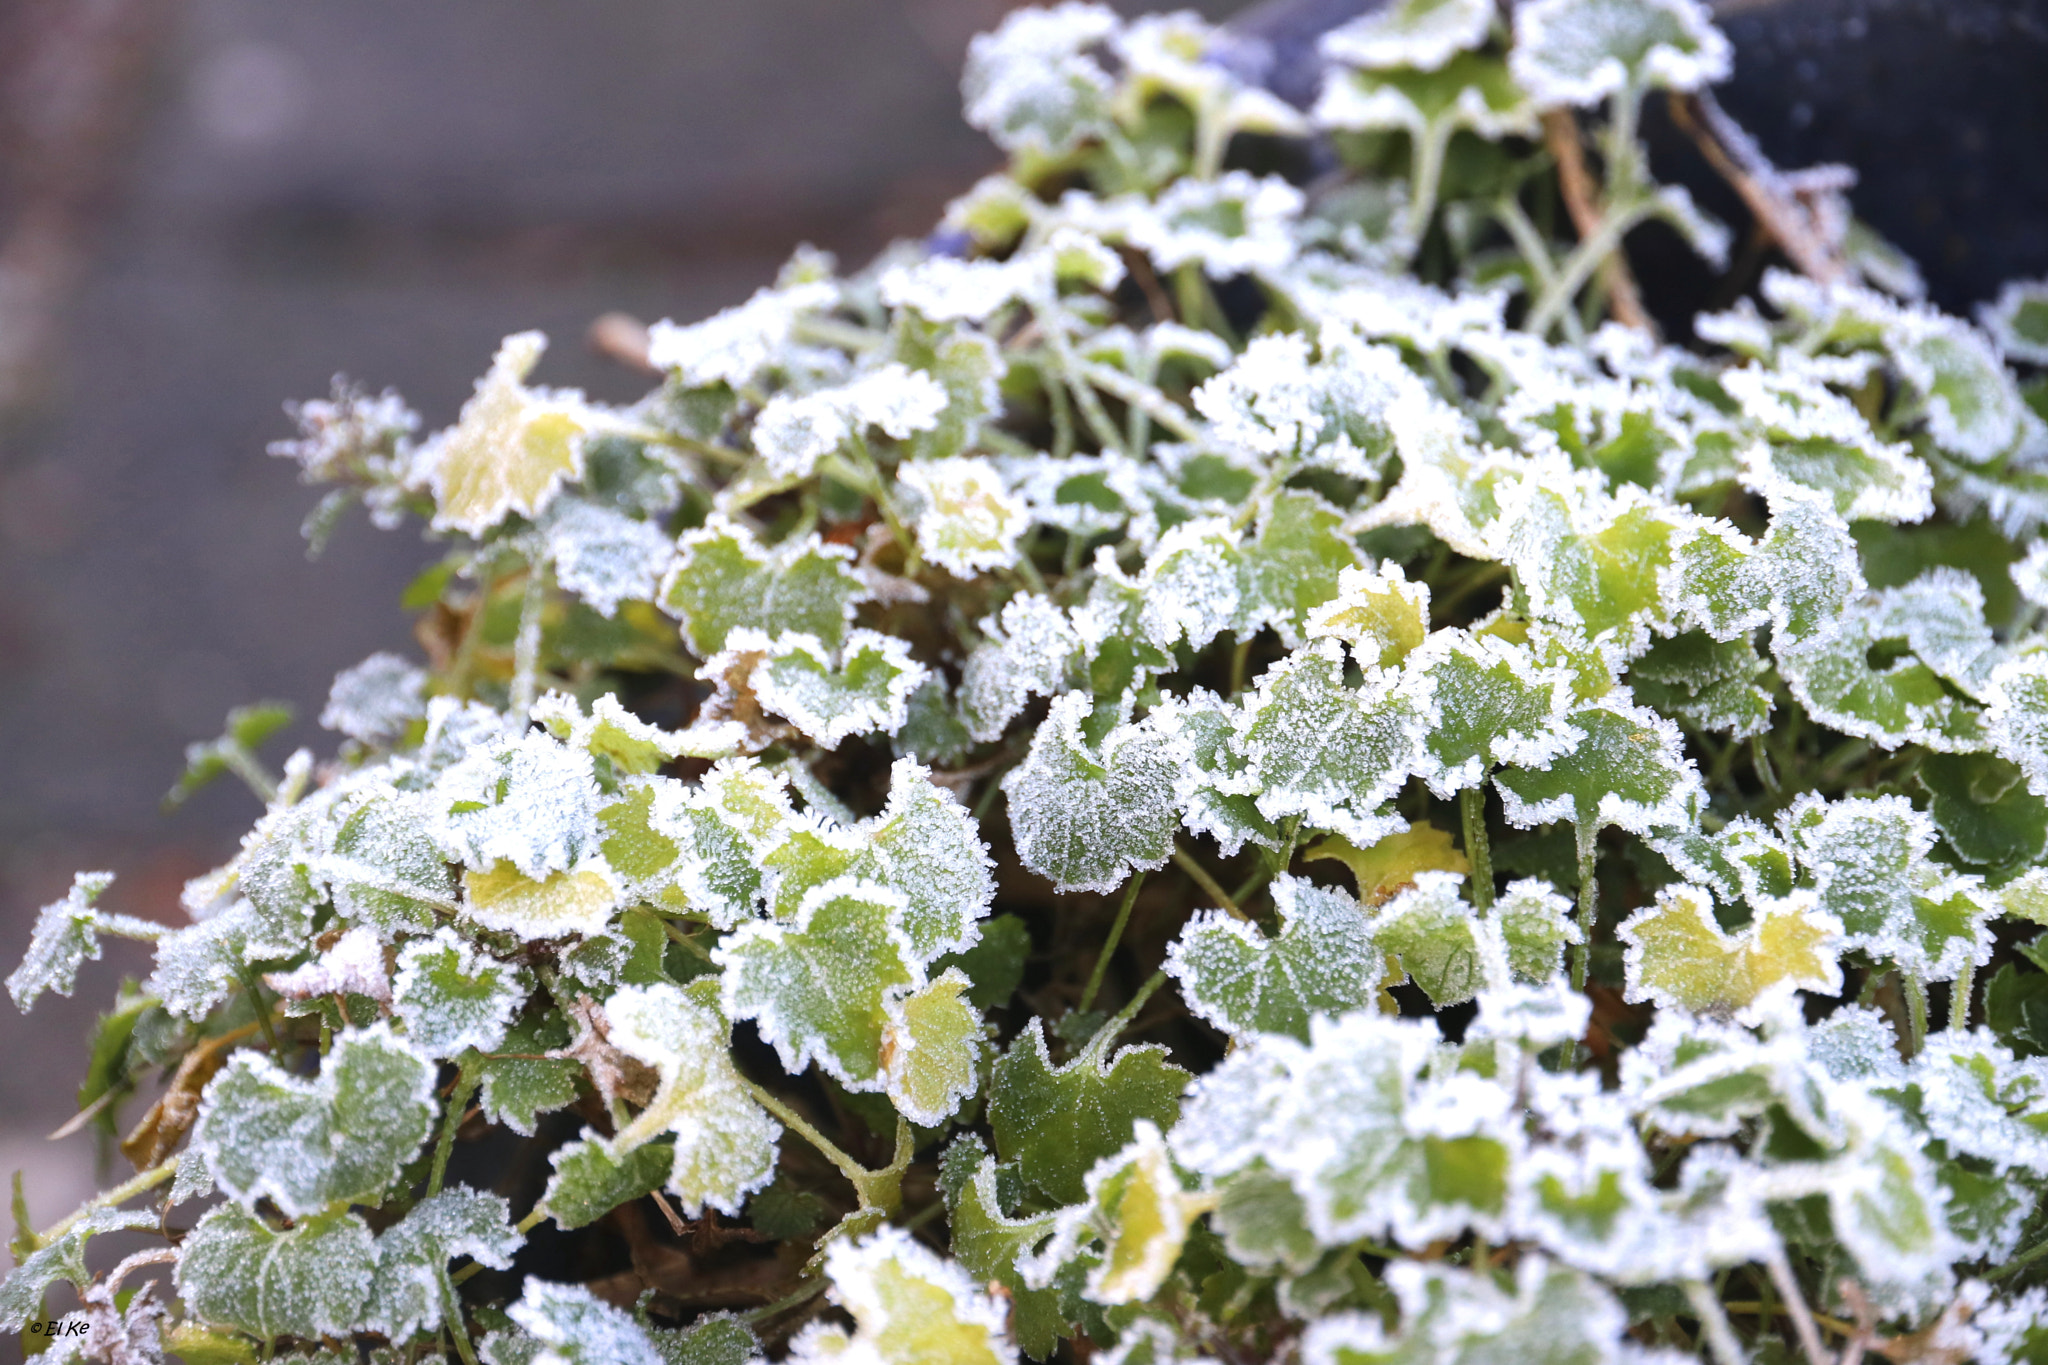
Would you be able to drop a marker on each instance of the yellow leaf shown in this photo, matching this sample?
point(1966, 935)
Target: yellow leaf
point(1391, 864)
point(512, 448)
point(1678, 954)
point(574, 902)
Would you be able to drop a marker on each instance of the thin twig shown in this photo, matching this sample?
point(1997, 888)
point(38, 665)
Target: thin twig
point(1783, 212)
point(1795, 1304)
point(1582, 201)
point(1186, 863)
point(1116, 933)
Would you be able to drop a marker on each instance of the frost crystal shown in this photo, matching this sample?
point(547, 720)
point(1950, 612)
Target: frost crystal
point(376, 700)
point(736, 345)
point(967, 521)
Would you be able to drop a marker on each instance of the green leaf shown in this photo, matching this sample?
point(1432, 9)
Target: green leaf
point(1708, 683)
point(247, 729)
point(1211, 780)
point(413, 1254)
point(385, 870)
point(1138, 1212)
point(520, 1084)
point(2016, 1009)
point(577, 901)
point(571, 1326)
point(451, 997)
point(313, 1281)
point(592, 1178)
point(1055, 1123)
point(1085, 815)
point(63, 1258)
point(1678, 955)
point(627, 743)
point(1982, 807)
point(66, 934)
point(1592, 563)
point(1381, 615)
point(714, 1339)
point(1494, 703)
point(1868, 860)
point(1420, 33)
point(1315, 747)
point(931, 1045)
point(1554, 1316)
point(1581, 51)
point(1294, 563)
point(1625, 766)
point(528, 801)
point(1263, 1222)
point(995, 964)
point(1436, 937)
point(724, 577)
point(725, 1142)
point(989, 1244)
point(1322, 962)
point(968, 521)
point(816, 986)
point(306, 1144)
point(968, 366)
point(1535, 924)
point(861, 688)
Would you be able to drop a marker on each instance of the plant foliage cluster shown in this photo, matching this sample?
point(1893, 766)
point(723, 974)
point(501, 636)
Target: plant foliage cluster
point(1208, 766)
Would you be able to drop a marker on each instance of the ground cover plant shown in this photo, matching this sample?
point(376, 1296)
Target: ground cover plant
point(1227, 760)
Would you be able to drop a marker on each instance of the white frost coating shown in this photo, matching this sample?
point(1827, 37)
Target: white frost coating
point(2017, 717)
point(1856, 1043)
point(66, 935)
point(1535, 1017)
point(531, 801)
point(968, 521)
point(571, 1326)
point(1275, 402)
point(2009, 1331)
point(1322, 962)
point(450, 996)
point(1582, 51)
point(794, 432)
point(413, 1256)
point(376, 700)
point(725, 1142)
point(947, 289)
point(2030, 574)
point(1816, 438)
point(1423, 34)
point(1378, 612)
point(734, 346)
point(1185, 56)
point(1978, 1098)
point(1191, 584)
point(1974, 409)
point(604, 556)
point(1025, 654)
point(353, 966)
point(1135, 1205)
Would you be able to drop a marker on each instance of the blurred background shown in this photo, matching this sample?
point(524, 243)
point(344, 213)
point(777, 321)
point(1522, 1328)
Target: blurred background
point(208, 207)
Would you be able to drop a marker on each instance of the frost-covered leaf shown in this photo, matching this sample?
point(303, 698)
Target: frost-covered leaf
point(989, 1244)
point(377, 700)
point(305, 1144)
point(450, 997)
point(1816, 439)
point(1235, 224)
point(1135, 1207)
point(1055, 1123)
point(794, 432)
point(724, 577)
point(625, 742)
point(967, 521)
point(1678, 955)
point(1868, 860)
point(1581, 51)
point(968, 366)
point(1423, 34)
point(200, 965)
point(572, 1326)
point(1979, 1099)
point(1371, 1148)
point(1387, 868)
point(1323, 961)
point(592, 1177)
point(1468, 90)
point(1429, 932)
point(67, 934)
point(1024, 654)
point(312, 1281)
point(1626, 767)
point(862, 687)
point(1495, 703)
point(520, 1083)
point(909, 1307)
point(604, 556)
point(1381, 615)
point(1708, 683)
point(1334, 754)
point(1554, 1316)
point(63, 1258)
point(1936, 654)
point(555, 906)
point(2018, 321)
point(353, 965)
point(385, 869)
point(1535, 925)
point(1210, 790)
point(930, 1047)
point(1797, 577)
point(724, 1141)
point(1595, 564)
point(413, 1254)
point(1033, 87)
point(734, 346)
point(816, 985)
point(1974, 409)
point(1339, 412)
point(530, 802)
point(513, 447)
point(1086, 815)
point(2017, 717)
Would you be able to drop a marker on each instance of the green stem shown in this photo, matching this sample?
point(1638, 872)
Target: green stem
point(877, 1189)
point(1580, 265)
point(1200, 874)
point(845, 335)
point(1121, 1020)
point(1142, 397)
point(451, 1308)
point(1916, 1009)
point(245, 765)
point(1960, 992)
point(247, 974)
point(1589, 908)
point(120, 1194)
point(1478, 852)
point(2019, 1262)
point(1062, 415)
point(526, 647)
point(810, 1291)
point(1116, 933)
point(1425, 173)
point(458, 1102)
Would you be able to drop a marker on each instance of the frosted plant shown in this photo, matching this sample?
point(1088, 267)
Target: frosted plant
point(1203, 768)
